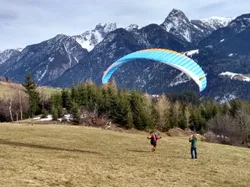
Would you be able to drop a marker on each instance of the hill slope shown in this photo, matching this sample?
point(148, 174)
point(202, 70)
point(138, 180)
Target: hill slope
point(49, 155)
point(9, 89)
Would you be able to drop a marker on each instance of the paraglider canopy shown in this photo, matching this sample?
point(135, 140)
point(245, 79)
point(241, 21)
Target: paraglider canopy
point(169, 57)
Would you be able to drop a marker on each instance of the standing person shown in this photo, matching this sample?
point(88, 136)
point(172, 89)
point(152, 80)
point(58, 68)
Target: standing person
point(193, 140)
point(154, 139)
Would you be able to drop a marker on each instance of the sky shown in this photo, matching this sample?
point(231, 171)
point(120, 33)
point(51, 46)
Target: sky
point(25, 22)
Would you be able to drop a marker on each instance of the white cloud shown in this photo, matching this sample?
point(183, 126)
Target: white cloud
point(24, 22)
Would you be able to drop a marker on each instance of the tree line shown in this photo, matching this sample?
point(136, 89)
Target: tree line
point(229, 122)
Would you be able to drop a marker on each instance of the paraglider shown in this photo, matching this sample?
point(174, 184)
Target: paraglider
point(169, 57)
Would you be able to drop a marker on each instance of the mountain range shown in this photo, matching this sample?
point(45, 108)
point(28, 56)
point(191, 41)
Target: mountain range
point(221, 46)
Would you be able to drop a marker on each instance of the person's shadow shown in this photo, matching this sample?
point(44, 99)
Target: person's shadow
point(30, 145)
point(181, 157)
point(138, 151)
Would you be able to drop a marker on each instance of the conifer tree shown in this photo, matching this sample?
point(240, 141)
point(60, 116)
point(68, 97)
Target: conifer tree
point(83, 95)
point(111, 92)
point(44, 113)
point(66, 99)
point(76, 114)
point(182, 121)
point(235, 106)
point(142, 119)
point(103, 106)
point(136, 107)
point(197, 122)
point(225, 109)
point(34, 96)
point(57, 104)
point(54, 113)
point(127, 110)
point(74, 94)
point(115, 107)
point(124, 109)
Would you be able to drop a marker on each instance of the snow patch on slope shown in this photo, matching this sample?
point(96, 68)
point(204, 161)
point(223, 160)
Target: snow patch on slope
point(69, 54)
point(7, 54)
point(179, 79)
point(85, 41)
point(90, 39)
point(236, 76)
point(225, 98)
point(51, 59)
point(76, 59)
point(43, 74)
point(187, 35)
point(217, 22)
point(191, 52)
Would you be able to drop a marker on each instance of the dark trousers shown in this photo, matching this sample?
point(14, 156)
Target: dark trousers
point(193, 152)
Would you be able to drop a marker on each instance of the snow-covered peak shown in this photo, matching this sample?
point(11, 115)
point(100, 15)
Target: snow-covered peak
point(90, 39)
point(7, 54)
point(106, 27)
point(176, 13)
point(19, 49)
point(240, 23)
point(132, 27)
point(61, 37)
point(175, 20)
point(217, 22)
point(178, 24)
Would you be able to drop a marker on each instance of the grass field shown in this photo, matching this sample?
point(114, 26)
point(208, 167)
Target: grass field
point(57, 155)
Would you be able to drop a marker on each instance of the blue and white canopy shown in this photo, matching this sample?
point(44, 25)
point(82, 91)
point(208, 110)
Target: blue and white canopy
point(169, 57)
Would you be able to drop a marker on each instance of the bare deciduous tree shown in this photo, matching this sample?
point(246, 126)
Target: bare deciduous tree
point(10, 109)
point(162, 109)
point(13, 106)
point(187, 115)
point(230, 130)
point(243, 122)
point(20, 104)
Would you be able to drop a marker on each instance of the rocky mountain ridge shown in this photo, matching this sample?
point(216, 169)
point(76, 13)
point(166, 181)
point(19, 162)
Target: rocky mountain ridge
point(218, 45)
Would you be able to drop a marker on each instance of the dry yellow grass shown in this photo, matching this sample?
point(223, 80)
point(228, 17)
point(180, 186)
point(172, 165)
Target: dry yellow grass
point(72, 156)
point(11, 89)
